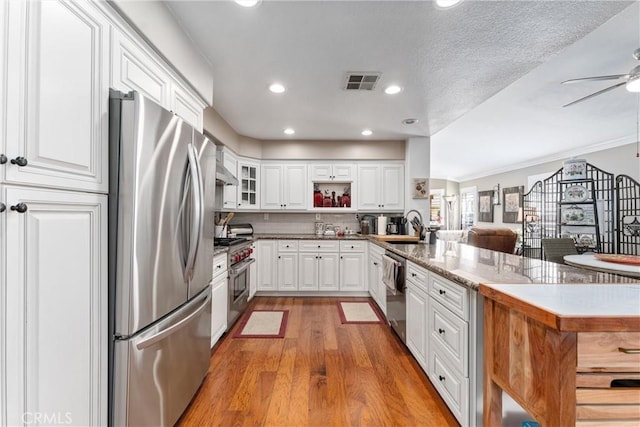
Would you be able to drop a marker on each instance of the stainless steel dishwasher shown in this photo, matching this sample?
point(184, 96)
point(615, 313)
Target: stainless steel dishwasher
point(393, 276)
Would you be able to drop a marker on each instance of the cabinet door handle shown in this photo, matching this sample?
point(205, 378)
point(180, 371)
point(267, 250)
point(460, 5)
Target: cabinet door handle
point(441, 378)
point(318, 246)
point(3, 207)
point(279, 257)
point(320, 257)
point(629, 350)
point(442, 291)
point(20, 208)
point(20, 161)
point(441, 331)
point(341, 257)
point(413, 274)
point(375, 263)
point(3, 159)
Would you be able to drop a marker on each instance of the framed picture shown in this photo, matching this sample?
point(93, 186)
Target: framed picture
point(574, 169)
point(485, 206)
point(512, 203)
point(420, 190)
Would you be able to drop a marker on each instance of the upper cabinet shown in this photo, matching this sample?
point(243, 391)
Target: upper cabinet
point(381, 186)
point(57, 90)
point(283, 186)
point(331, 172)
point(248, 188)
point(133, 67)
point(230, 192)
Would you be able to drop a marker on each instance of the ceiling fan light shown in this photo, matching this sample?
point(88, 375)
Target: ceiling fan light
point(633, 81)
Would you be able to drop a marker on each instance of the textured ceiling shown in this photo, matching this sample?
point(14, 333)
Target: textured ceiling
point(449, 63)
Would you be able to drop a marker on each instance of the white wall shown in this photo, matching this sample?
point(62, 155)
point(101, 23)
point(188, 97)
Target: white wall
point(154, 21)
point(618, 160)
point(417, 165)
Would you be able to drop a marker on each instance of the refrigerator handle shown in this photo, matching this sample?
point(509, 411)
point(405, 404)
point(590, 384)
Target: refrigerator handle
point(173, 328)
point(194, 234)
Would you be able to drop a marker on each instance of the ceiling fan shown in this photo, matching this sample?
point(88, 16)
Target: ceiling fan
point(631, 80)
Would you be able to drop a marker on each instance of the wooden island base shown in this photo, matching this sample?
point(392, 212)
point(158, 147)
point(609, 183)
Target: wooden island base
point(559, 369)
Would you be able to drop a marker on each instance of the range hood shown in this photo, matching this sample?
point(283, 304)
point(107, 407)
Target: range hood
point(223, 175)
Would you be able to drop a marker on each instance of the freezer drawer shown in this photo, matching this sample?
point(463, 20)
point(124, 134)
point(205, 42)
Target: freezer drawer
point(158, 371)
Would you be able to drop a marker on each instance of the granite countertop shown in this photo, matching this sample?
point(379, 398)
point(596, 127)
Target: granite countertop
point(220, 249)
point(470, 266)
point(573, 308)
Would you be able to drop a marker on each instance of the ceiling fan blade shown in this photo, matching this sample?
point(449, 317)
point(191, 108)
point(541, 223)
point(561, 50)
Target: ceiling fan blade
point(596, 78)
point(595, 94)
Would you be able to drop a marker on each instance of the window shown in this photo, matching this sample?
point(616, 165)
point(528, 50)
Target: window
point(468, 202)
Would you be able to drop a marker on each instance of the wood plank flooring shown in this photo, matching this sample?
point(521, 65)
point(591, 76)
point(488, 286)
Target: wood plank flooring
point(321, 373)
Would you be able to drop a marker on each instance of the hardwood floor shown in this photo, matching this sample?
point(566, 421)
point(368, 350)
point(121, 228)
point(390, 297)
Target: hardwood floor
point(321, 373)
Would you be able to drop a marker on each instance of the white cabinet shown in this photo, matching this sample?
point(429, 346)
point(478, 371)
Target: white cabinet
point(283, 186)
point(380, 186)
point(267, 272)
point(287, 265)
point(448, 344)
point(219, 297)
point(318, 265)
point(249, 184)
point(417, 313)
point(134, 67)
point(327, 172)
point(229, 192)
point(377, 289)
point(352, 266)
point(57, 92)
point(54, 314)
point(188, 106)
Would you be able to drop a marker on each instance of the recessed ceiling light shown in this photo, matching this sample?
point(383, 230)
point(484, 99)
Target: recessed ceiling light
point(289, 131)
point(392, 90)
point(248, 3)
point(276, 88)
point(366, 132)
point(445, 4)
point(410, 121)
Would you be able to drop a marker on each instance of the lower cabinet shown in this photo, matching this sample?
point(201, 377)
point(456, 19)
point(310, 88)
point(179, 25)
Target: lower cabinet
point(352, 265)
point(377, 289)
point(448, 364)
point(219, 298)
point(53, 314)
point(287, 265)
point(266, 269)
point(318, 271)
point(417, 331)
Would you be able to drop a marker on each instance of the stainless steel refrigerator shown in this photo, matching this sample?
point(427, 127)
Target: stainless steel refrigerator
point(161, 201)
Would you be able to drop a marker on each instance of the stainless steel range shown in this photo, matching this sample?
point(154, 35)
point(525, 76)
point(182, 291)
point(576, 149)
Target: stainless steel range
point(238, 262)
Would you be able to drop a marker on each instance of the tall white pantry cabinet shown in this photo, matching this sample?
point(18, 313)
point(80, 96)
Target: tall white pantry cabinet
point(58, 60)
point(53, 238)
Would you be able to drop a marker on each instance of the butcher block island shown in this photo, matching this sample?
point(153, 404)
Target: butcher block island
point(568, 354)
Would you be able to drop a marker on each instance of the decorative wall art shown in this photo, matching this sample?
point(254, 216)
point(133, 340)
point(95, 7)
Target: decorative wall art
point(420, 190)
point(574, 169)
point(512, 204)
point(485, 206)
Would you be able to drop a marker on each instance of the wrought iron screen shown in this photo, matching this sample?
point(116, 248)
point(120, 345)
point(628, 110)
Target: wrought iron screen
point(628, 215)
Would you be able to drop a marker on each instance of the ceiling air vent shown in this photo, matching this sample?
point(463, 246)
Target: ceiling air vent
point(362, 81)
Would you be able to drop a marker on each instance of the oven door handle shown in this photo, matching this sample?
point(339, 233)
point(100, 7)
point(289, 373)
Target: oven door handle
point(245, 264)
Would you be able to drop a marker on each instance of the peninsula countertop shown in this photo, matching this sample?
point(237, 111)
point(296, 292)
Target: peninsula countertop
point(471, 266)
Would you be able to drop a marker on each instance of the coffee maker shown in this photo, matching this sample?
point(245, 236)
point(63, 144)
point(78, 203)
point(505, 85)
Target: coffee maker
point(397, 225)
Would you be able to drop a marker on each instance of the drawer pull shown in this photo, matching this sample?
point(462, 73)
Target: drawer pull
point(442, 291)
point(625, 383)
point(441, 331)
point(413, 274)
point(441, 378)
point(629, 350)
